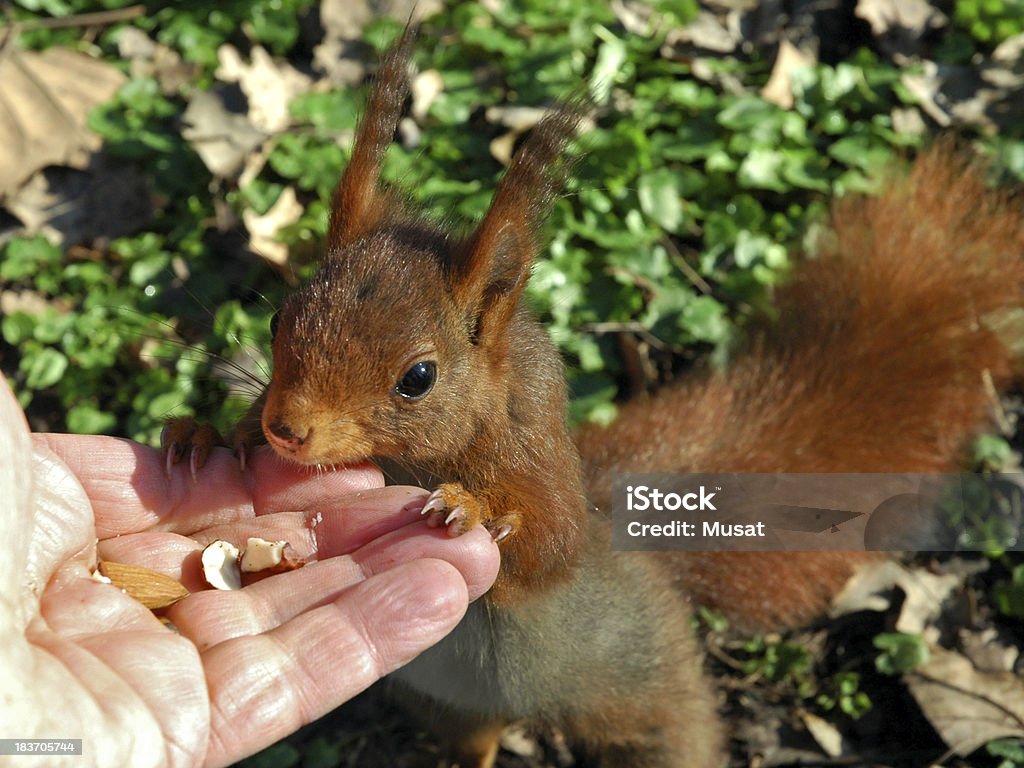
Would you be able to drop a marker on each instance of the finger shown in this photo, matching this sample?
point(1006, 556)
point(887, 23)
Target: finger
point(271, 684)
point(278, 485)
point(213, 616)
point(131, 491)
point(330, 527)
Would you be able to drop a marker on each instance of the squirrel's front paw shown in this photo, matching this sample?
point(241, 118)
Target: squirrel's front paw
point(186, 435)
point(454, 507)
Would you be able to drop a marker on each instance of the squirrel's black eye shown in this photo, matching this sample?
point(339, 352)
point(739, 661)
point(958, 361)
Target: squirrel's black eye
point(417, 381)
point(273, 324)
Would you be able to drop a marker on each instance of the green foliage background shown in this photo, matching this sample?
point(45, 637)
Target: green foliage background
point(683, 213)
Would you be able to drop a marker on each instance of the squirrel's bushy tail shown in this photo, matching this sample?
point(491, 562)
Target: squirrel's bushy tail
point(884, 359)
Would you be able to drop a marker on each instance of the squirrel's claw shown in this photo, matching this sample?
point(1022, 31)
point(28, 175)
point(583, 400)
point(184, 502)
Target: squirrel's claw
point(435, 503)
point(187, 434)
point(458, 510)
point(455, 508)
point(456, 514)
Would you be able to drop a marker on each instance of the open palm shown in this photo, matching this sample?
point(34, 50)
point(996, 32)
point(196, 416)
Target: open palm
point(83, 660)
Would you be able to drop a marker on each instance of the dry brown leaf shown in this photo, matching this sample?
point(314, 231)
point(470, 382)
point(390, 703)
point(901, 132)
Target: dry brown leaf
point(967, 708)
point(45, 100)
point(518, 120)
point(824, 733)
point(707, 33)
point(268, 84)
point(912, 16)
point(222, 138)
point(633, 15)
point(341, 53)
point(263, 229)
point(868, 589)
point(925, 594)
point(779, 88)
point(106, 200)
point(987, 650)
point(152, 59)
point(426, 87)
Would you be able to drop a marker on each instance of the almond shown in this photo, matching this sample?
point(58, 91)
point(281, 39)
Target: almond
point(261, 555)
point(220, 565)
point(151, 588)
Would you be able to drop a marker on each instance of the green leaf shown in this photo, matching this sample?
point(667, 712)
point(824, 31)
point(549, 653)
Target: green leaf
point(762, 169)
point(146, 269)
point(611, 56)
point(900, 652)
point(748, 113)
point(992, 451)
point(1008, 595)
point(1011, 749)
point(43, 368)
point(703, 319)
point(17, 328)
point(334, 111)
point(166, 405)
point(660, 200)
point(865, 152)
point(26, 256)
point(87, 419)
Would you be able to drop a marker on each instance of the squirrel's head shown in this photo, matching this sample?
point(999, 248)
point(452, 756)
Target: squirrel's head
point(374, 353)
point(397, 347)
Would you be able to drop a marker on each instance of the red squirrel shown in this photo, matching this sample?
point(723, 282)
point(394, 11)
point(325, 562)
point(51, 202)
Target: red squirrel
point(413, 346)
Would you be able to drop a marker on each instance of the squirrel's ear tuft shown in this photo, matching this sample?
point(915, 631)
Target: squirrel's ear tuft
point(489, 272)
point(359, 202)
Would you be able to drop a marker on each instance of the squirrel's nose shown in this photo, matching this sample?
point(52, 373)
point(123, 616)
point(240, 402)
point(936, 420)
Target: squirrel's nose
point(281, 435)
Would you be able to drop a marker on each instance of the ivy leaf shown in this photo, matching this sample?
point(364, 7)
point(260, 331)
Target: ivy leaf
point(44, 368)
point(900, 652)
point(762, 169)
point(660, 199)
point(87, 419)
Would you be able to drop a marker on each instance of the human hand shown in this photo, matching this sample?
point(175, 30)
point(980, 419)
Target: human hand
point(81, 659)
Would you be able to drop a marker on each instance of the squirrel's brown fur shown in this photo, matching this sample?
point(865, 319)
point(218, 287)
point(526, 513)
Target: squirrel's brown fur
point(877, 364)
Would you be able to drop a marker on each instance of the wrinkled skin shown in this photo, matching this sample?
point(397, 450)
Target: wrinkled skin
point(81, 659)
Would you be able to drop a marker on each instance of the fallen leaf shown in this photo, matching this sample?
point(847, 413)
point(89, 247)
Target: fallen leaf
point(342, 54)
point(105, 200)
point(45, 100)
point(913, 17)
point(967, 708)
point(268, 84)
point(868, 589)
point(633, 15)
point(152, 59)
point(987, 650)
point(925, 593)
point(705, 33)
point(779, 88)
point(518, 120)
point(263, 229)
point(825, 734)
point(222, 137)
point(426, 87)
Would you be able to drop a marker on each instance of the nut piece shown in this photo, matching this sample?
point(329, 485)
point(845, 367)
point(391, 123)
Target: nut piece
point(220, 565)
point(154, 590)
point(262, 555)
